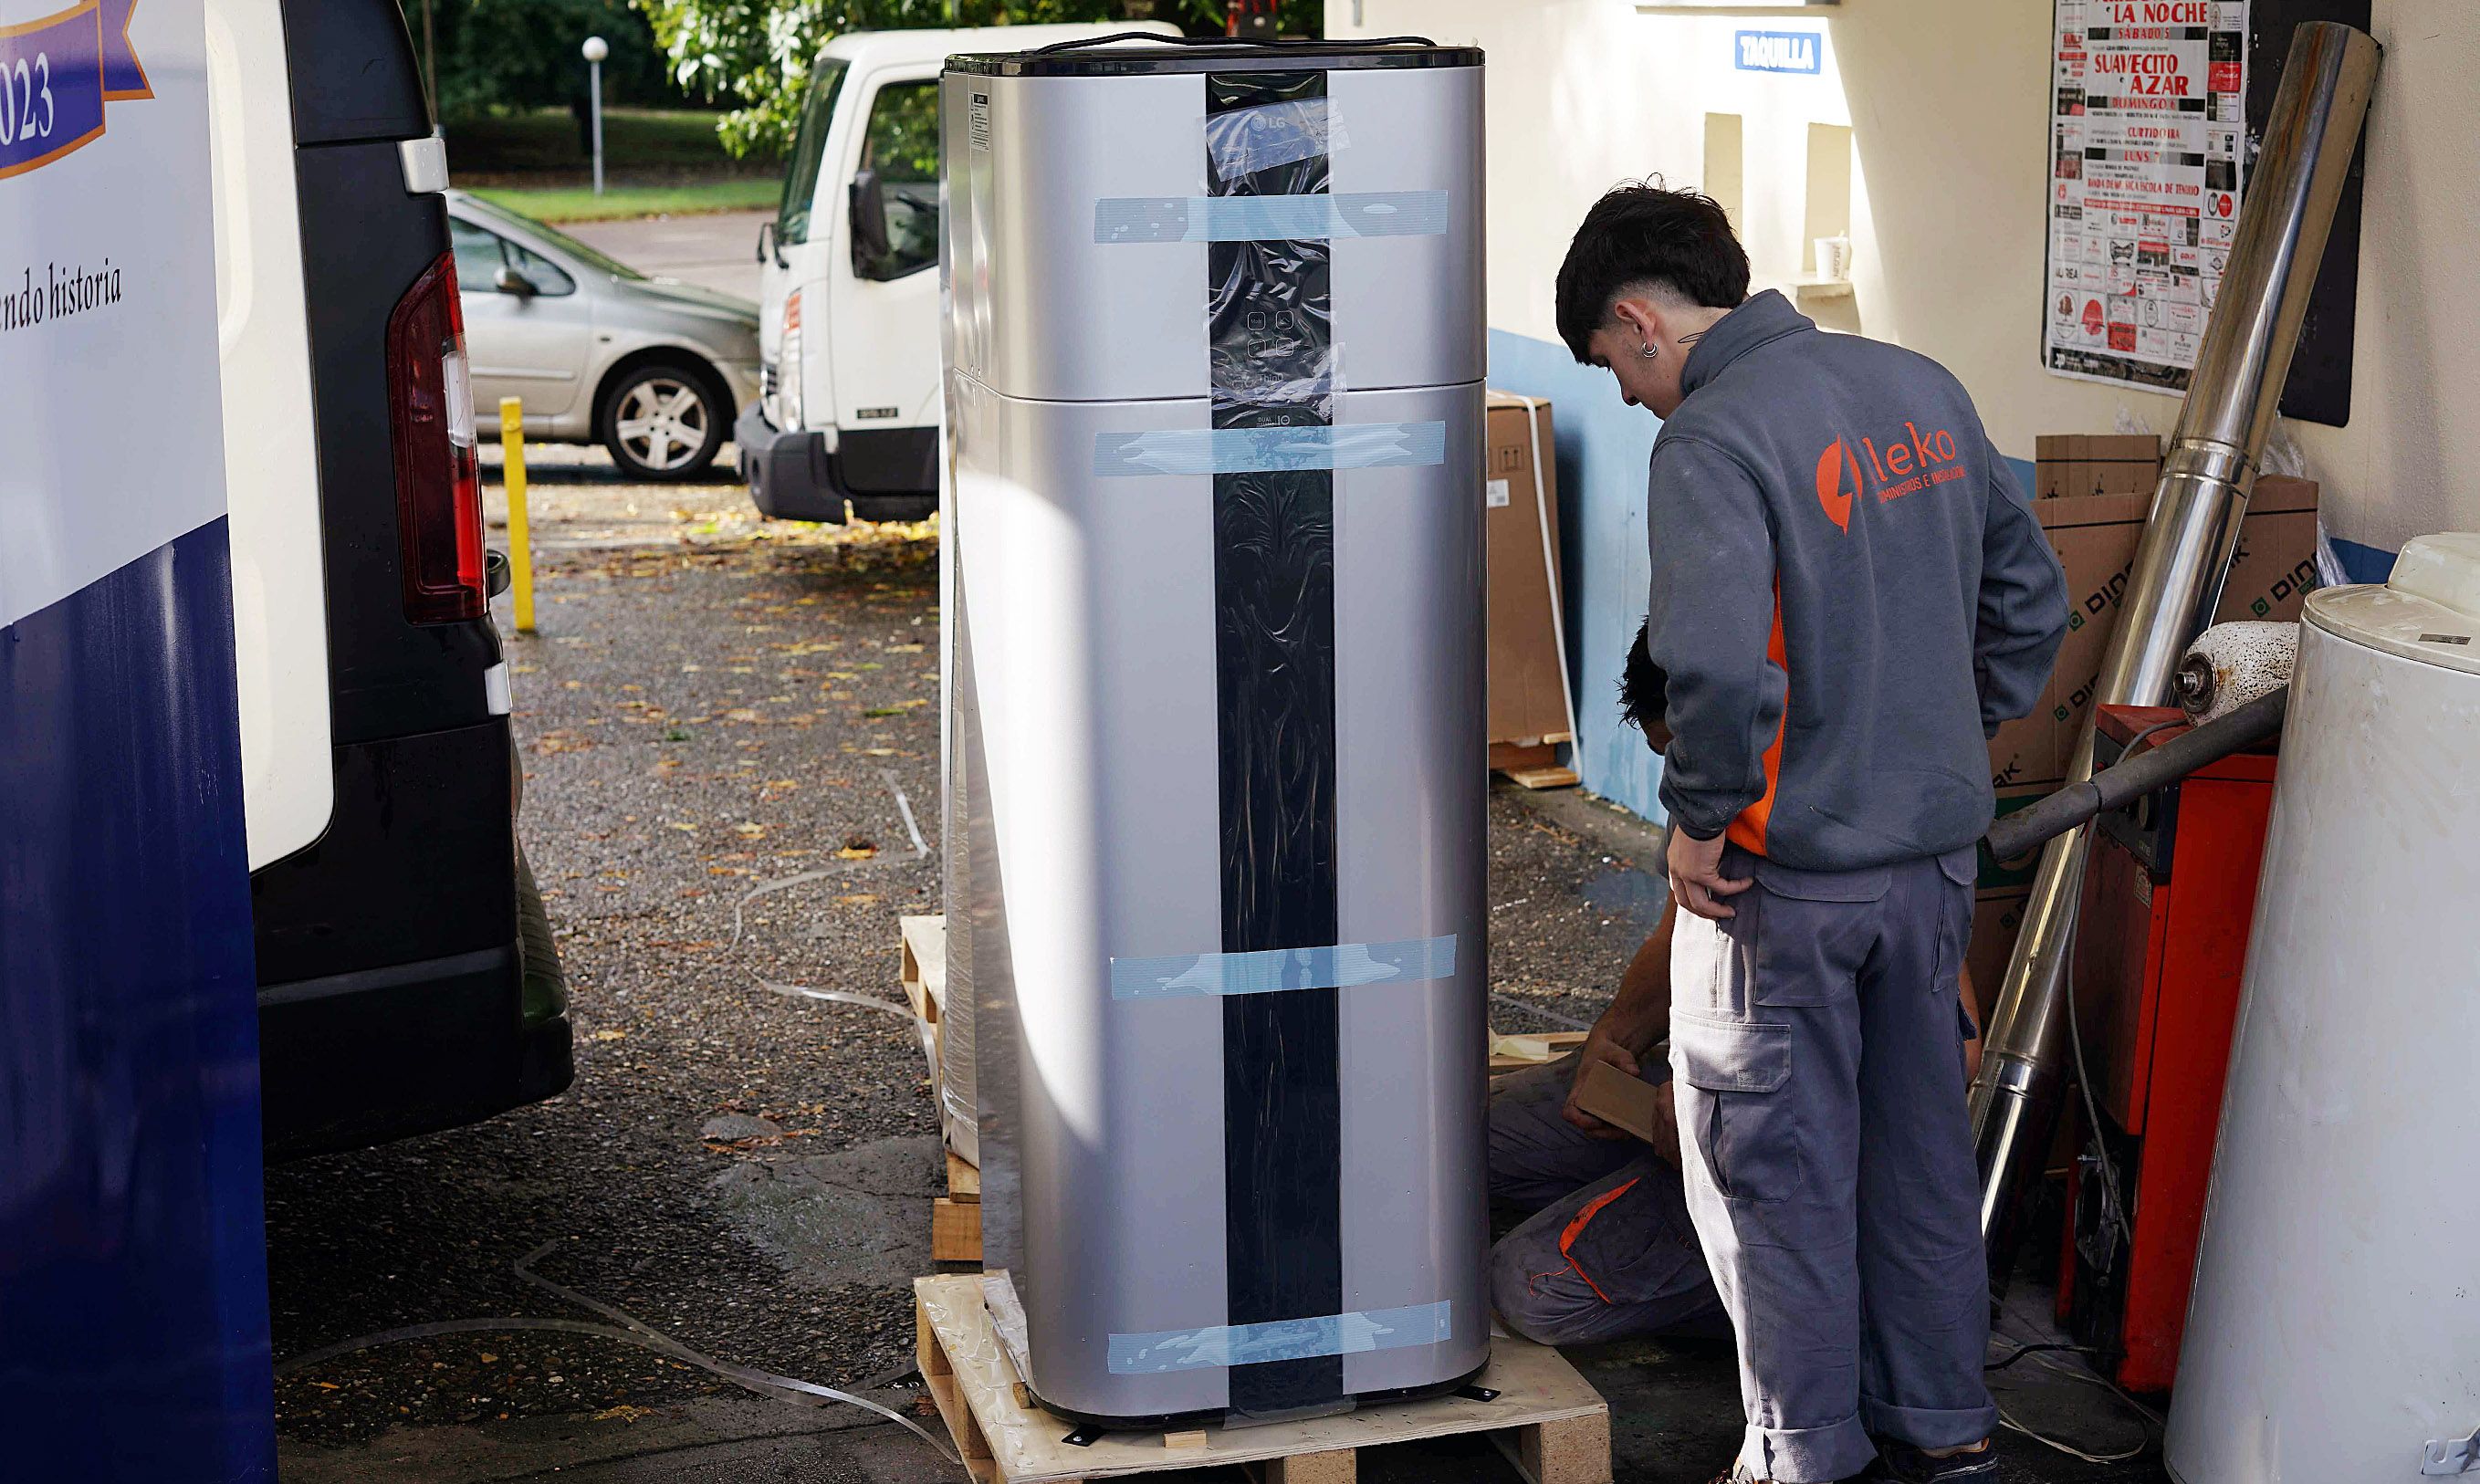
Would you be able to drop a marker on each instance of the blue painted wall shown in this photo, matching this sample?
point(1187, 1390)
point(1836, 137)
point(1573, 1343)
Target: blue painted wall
point(133, 1266)
point(2362, 563)
point(1603, 447)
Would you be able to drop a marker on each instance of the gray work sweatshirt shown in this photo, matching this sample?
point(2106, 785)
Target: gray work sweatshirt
point(1849, 594)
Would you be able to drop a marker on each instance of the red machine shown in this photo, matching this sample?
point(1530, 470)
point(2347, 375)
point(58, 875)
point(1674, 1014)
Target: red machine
point(2160, 948)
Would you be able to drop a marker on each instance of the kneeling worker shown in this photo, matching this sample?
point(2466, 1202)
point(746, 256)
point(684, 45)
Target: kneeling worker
point(1608, 1251)
point(1849, 595)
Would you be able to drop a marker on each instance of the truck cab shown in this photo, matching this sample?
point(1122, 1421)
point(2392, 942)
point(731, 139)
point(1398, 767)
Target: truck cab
point(848, 326)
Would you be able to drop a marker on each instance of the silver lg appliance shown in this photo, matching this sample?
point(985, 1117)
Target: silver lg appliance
point(1214, 342)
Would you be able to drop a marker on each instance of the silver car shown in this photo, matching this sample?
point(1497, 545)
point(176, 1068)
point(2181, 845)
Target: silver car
point(654, 369)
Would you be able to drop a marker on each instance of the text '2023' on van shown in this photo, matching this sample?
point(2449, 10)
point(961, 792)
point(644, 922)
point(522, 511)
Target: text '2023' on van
point(407, 979)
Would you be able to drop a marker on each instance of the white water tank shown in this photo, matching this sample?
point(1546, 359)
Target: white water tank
point(2335, 1333)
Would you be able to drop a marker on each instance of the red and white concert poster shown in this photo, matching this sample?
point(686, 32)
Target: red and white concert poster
point(2148, 129)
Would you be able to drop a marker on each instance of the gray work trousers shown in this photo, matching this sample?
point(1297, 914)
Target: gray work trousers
point(1607, 1252)
point(1818, 1043)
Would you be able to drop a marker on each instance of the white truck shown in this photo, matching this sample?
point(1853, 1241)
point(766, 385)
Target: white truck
point(849, 328)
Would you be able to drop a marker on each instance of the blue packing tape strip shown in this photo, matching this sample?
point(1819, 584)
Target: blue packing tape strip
point(1271, 970)
point(1222, 1345)
point(1261, 218)
point(1241, 450)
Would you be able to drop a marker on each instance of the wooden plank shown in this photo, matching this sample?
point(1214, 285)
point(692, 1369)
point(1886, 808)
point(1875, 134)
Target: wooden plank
point(1573, 1450)
point(946, 1392)
point(1336, 1468)
point(925, 955)
point(1507, 756)
point(1553, 777)
point(1514, 1053)
point(1537, 1390)
point(955, 1231)
point(964, 1181)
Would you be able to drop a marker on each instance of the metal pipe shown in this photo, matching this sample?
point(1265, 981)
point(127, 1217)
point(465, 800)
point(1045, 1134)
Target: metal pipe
point(2158, 767)
point(2186, 552)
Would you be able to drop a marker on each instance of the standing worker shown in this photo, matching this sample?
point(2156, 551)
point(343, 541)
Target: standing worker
point(1849, 594)
point(1607, 1250)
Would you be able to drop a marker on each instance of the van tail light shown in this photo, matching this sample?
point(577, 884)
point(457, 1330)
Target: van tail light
point(438, 476)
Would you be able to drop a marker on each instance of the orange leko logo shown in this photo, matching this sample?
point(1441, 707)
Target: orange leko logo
point(1916, 461)
point(1838, 482)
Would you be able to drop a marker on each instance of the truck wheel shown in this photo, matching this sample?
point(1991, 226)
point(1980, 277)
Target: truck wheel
point(664, 420)
point(544, 986)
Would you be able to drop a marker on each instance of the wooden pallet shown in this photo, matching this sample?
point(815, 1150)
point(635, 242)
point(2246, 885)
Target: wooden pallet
point(924, 974)
point(1547, 1419)
point(1533, 762)
point(955, 1218)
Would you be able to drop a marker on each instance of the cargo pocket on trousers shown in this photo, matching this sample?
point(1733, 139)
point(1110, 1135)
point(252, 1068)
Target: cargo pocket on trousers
point(1748, 1132)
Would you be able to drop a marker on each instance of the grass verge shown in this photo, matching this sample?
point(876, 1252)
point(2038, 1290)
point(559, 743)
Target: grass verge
point(580, 203)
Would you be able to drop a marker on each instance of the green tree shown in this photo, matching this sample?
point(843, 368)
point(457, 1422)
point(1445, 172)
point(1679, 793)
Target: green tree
point(758, 52)
point(504, 54)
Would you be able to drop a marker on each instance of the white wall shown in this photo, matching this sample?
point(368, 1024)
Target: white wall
point(1947, 100)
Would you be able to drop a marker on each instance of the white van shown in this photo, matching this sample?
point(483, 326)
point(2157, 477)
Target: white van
point(848, 332)
point(408, 978)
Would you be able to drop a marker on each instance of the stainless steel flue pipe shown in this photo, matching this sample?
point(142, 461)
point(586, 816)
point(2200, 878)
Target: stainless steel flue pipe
point(2175, 582)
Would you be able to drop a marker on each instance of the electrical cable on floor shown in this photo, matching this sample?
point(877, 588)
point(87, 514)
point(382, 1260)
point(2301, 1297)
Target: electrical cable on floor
point(838, 996)
point(2022, 1350)
point(628, 1329)
point(2152, 1419)
point(920, 852)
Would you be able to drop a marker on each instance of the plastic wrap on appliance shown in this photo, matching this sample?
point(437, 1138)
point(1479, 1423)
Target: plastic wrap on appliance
point(1282, 1340)
point(1258, 219)
point(1242, 450)
point(1273, 970)
point(1244, 140)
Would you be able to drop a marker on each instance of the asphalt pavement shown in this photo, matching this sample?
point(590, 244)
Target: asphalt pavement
point(714, 250)
point(712, 706)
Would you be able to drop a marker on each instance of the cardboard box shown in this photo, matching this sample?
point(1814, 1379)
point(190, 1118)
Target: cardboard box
point(2095, 537)
point(1625, 1102)
point(1528, 698)
point(2069, 463)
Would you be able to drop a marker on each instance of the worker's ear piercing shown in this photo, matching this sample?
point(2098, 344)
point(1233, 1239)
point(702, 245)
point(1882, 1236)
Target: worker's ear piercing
point(1647, 351)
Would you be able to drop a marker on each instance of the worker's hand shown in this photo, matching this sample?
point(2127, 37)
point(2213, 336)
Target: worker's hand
point(1696, 876)
point(1597, 1047)
point(1665, 1126)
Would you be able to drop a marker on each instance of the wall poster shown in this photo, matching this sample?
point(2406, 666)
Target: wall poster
point(2148, 133)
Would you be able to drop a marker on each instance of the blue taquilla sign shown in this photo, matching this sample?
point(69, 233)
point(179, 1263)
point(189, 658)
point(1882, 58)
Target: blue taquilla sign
point(1778, 51)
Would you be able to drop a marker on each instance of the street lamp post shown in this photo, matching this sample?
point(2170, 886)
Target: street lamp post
point(596, 50)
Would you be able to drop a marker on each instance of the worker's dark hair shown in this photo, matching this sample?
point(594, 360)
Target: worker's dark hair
point(1644, 692)
point(1641, 234)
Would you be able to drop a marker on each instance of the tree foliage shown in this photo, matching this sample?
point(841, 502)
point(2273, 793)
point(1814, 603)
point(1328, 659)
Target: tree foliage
point(524, 53)
point(758, 52)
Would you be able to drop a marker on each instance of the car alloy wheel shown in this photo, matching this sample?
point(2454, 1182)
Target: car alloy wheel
point(663, 424)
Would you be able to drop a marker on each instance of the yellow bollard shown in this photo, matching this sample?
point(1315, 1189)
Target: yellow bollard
point(521, 547)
